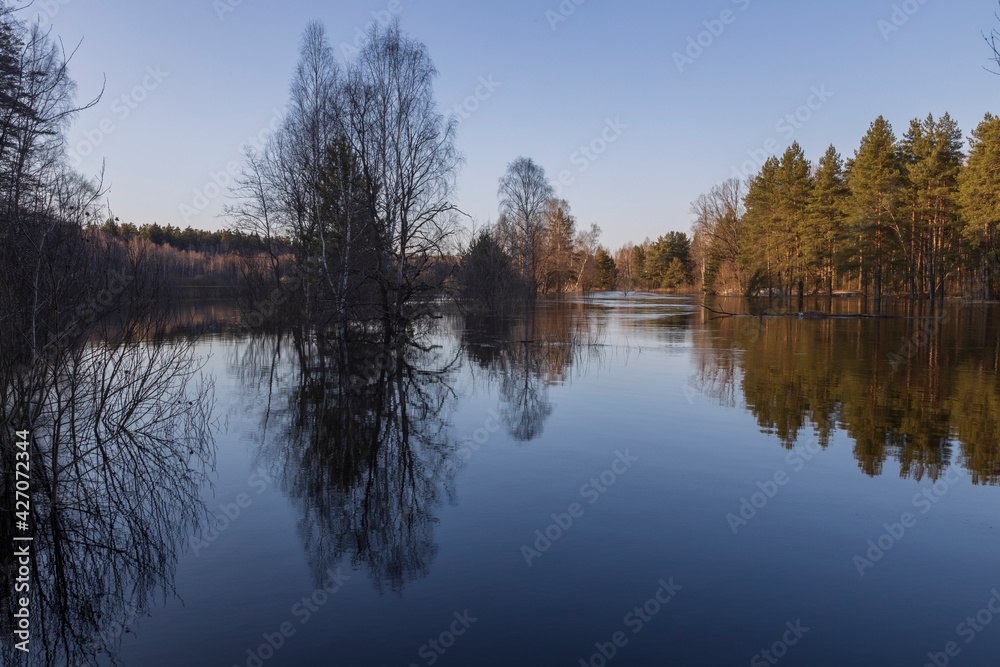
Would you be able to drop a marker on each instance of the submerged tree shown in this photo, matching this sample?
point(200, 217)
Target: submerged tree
point(406, 153)
point(117, 422)
point(486, 278)
point(558, 258)
point(360, 176)
point(606, 274)
point(524, 193)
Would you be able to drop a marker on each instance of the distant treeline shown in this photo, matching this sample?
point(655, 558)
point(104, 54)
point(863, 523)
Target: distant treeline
point(224, 241)
point(192, 257)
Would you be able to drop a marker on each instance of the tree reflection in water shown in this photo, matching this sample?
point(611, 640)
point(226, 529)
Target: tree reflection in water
point(358, 433)
point(121, 445)
point(923, 392)
point(524, 357)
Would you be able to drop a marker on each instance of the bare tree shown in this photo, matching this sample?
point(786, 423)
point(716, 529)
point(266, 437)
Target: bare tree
point(557, 261)
point(360, 176)
point(993, 40)
point(625, 266)
point(718, 227)
point(36, 105)
point(253, 211)
point(524, 193)
point(406, 151)
point(588, 243)
point(119, 432)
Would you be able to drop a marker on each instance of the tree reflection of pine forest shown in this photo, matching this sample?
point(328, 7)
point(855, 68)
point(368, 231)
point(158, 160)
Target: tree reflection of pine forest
point(922, 391)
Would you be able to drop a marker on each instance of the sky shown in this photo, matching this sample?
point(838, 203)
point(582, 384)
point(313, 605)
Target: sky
point(633, 108)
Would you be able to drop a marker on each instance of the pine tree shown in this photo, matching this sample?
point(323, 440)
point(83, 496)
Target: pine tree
point(932, 153)
point(980, 199)
point(607, 274)
point(639, 266)
point(876, 179)
point(794, 189)
point(825, 216)
point(763, 243)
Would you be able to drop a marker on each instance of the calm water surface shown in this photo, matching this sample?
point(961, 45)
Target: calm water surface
point(632, 476)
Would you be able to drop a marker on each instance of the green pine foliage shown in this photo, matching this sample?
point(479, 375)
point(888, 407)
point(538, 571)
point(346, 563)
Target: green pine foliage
point(878, 185)
point(607, 273)
point(980, 200)
point(911, 216)
point(825, 219)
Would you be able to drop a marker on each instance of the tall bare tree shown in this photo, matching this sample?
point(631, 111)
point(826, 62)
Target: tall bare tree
point(625, 264)
point(524, 193)
point(360, 176)
point(718, 229)
point(406, 151)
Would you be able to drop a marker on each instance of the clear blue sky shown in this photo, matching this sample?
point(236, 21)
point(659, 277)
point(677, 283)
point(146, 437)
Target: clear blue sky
point(221, 80)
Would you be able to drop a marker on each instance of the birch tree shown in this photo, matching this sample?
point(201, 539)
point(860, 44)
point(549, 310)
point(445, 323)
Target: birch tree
point(524, 193)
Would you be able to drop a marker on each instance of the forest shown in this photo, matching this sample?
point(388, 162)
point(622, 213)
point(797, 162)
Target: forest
point(913, 216)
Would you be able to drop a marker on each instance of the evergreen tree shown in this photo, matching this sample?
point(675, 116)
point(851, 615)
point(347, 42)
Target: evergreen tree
point(794, 189)
point(876, 178)
point(980, 199)
point(607, 275)
point(668, 261)
point(932, 152)
point(639, 266)
point(825, 216)
point(762, 244)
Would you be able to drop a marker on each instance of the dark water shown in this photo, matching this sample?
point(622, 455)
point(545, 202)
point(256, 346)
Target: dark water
point(634, 477)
